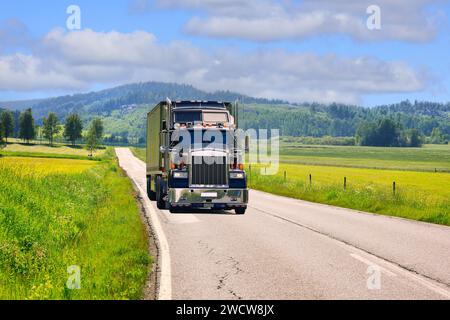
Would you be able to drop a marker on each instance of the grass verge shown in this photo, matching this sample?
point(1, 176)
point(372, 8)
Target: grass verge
point(51, 221)
point(367, 190)
point(139, 153)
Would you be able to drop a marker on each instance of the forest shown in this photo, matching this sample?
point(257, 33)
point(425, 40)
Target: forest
point(123, 110)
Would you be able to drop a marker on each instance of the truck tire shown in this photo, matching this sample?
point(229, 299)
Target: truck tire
point(151, 194)
point(174, 210)
point(160, 203)
point(240, 210)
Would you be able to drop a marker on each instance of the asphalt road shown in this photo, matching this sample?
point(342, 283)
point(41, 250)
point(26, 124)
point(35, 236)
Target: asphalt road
point(290, 249)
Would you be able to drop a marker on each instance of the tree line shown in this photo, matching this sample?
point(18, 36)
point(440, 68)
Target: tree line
point(72, 128)
point(322, 123)
point(387, 133)
point(431, 121)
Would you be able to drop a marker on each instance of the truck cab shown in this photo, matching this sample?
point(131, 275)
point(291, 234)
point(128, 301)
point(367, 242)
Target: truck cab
point(194, 157)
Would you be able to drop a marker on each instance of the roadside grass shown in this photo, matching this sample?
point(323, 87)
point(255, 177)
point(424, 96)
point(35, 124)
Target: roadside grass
point(139, 153)
point(419, 195)
point(53, 217)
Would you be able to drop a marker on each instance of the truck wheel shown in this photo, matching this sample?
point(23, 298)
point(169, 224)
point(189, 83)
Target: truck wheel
point(174, 210)
point(240, 210)
point(160, 203)
point(151, 194)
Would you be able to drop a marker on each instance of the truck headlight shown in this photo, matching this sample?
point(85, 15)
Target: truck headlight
point(237, 175)
point(180, 175)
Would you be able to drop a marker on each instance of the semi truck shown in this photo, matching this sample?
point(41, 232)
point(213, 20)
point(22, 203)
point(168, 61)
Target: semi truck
point(195, 157)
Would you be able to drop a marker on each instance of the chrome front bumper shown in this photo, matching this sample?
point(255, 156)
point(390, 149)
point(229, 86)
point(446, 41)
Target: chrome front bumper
point(224, 198)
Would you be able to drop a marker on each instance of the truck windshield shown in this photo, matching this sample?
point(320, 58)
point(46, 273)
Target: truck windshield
point(206, 138)
point(198, 116)
point(188, 116)
point(215, 117)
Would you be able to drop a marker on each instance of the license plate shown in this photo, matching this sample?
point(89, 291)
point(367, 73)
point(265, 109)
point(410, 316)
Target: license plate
point(207, 206)
point(209, 195)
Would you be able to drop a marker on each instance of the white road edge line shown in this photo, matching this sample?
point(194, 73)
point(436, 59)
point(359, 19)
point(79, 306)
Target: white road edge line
point(370, 263)
point(165, 279)
point(165, 274)
point(410, 275)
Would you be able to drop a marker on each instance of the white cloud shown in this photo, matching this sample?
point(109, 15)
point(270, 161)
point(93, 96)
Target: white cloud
point(82, 59)
point(20, 72)
point(267, 20)
point(309, 77)
point(135, 49)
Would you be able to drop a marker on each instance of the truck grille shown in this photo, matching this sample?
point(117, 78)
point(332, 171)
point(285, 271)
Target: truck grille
point(207, 173)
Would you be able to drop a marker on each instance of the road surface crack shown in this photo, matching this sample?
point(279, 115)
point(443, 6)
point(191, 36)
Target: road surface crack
point(231, 268)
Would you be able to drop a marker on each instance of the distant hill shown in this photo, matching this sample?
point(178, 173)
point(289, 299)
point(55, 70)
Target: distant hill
point(106, 101)
point(340, 120)
point(123, 110)
point(19, 105)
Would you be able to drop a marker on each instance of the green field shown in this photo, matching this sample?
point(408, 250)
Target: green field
point(428, 158)
point(421, 176)
point(56, 213)
point(46, 166)
point(19, 149)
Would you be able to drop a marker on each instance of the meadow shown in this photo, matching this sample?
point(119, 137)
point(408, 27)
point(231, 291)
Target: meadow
point(421, 176)
point(427, 158)
point(19, 149)
point(47, 166)
point(418, 195)
point(56, 213)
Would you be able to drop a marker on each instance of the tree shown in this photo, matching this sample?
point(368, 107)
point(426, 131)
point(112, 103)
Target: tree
point(7, 121)
point(95, 135)
point(50, 127)
point(414, 138)
point(73, 128)
point(98, 127)
point(27, 131)
point(388, 133)
point(16, 115)
point(2, 142)
point(367, 134)
point(436, 136)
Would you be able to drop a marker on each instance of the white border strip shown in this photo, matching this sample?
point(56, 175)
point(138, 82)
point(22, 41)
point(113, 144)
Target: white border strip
point(165, 276)
point(164, 264)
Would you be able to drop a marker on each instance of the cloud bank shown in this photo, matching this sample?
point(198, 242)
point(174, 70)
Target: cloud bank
point(79, 60)
point(268, 20)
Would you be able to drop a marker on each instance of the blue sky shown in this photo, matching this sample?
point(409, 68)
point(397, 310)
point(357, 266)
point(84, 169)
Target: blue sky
point(294, 50)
